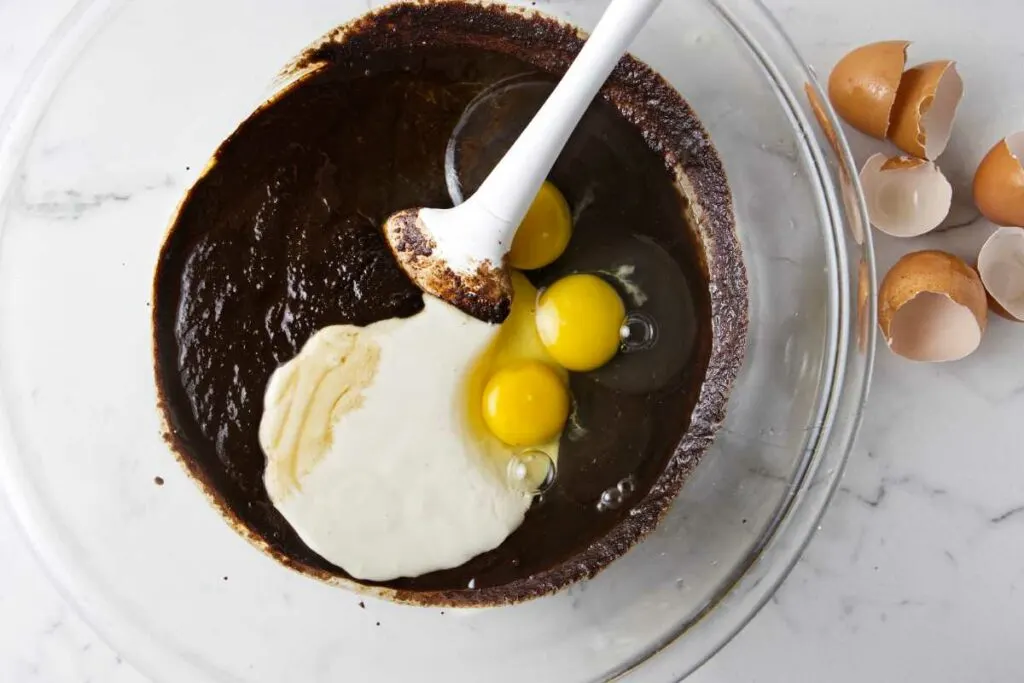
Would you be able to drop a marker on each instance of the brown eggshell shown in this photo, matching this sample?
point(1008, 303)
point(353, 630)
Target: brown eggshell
point(925, 109)
point(864, 83)
point(932, 307)
point(902, 163)
point(999, 182)
point(1001, 267)
point(905, 196)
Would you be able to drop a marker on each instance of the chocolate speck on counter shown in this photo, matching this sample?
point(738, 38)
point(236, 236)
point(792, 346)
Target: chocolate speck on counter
point(159, 481)
point(281, 237)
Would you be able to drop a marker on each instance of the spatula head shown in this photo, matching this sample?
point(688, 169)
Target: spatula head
point(481, 289)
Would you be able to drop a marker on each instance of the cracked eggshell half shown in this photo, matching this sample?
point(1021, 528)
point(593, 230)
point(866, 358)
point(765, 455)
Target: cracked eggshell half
point(863, 85)
point(925, 109)
point(1001, 266)
point(932, 307)
point(905, 196)
point(999, 182)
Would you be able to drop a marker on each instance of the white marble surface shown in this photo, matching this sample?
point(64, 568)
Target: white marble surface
point(917, 572)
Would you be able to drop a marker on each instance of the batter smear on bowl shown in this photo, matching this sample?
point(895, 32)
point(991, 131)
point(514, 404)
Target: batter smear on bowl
point(276, 258)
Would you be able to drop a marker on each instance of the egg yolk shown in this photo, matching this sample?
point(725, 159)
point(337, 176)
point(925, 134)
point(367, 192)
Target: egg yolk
point(545, 231)
point(579, 319)
point(525, 404)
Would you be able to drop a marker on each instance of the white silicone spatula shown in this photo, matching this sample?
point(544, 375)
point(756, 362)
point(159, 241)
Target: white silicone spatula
point(458, 255)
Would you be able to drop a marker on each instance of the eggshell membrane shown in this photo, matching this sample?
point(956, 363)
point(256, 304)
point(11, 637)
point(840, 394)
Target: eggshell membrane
point(999, 182)
point(1001, 266)
point(925, 109)
point(905, 196)
point(933, 328)
point(932, 307)
point(863, 85)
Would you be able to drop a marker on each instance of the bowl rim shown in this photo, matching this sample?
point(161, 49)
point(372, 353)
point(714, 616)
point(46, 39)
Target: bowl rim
point(751, 585)
point(811, 491)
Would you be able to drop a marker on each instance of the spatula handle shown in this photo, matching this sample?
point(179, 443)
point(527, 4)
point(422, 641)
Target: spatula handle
point(508, 191)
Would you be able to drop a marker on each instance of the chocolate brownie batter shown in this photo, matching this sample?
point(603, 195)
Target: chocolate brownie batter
point(281, 237)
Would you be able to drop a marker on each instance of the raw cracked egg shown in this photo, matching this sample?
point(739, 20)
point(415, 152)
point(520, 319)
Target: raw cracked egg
point(925, 109)
point(518, 392)
point(1001, 266)
point(545, 231)
point(905, 196)
point(999, 182)
point(864, 83)
point(526, 403)
point(932, 307)
point(521, 384)
point(579, 321)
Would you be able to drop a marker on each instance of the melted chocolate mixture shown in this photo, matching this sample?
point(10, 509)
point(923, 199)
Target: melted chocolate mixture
point(281, 238)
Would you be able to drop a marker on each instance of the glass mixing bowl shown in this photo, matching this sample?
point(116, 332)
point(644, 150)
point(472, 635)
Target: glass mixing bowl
point(119, 117)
